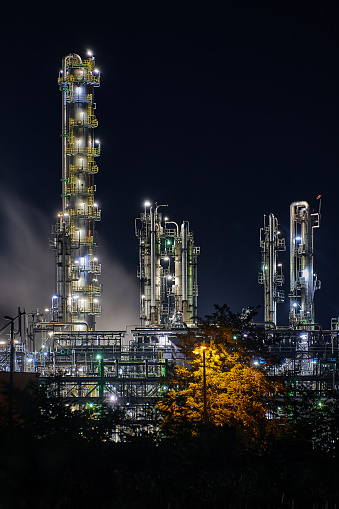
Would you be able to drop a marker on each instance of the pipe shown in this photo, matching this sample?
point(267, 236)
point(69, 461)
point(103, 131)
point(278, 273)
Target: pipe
point(152, 214)
point(184, 269)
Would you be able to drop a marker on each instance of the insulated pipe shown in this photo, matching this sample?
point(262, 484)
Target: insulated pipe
point(64, 139)
point(64, 129)
point(184, 268)
point(152, 214)
point(272, 269)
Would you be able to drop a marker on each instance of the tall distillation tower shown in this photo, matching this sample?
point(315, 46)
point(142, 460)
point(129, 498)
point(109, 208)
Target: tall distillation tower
point(167, 270)
point(77, 289)
point(303, 280)
point(271, 275)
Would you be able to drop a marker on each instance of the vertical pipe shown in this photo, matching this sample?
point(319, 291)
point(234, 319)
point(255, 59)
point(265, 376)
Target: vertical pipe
point(184, 269)
point(152, 213)
point(64, 139)
point(272, 269)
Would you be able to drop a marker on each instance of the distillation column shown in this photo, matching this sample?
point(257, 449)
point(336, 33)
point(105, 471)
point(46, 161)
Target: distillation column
point(186, 283)
point(303, 280)
point(270, 276)
point(167, 270)
point(76, 301)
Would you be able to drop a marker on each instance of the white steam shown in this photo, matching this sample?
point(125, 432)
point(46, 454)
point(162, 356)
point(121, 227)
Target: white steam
point(120, 296)
point(27, 268)
point(27, 265)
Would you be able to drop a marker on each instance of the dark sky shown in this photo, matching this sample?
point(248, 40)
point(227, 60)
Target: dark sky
point(225, 111)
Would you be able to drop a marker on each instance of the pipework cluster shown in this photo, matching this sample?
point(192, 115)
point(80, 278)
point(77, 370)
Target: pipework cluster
point(303, 280)
point(167, 270)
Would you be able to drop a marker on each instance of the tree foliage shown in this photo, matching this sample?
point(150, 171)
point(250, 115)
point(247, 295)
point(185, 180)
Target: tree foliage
point(238, 393)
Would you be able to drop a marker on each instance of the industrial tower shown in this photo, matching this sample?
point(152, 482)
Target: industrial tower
point(271, 275)
point(75, 304)
point(167, 270)
point(303, 281)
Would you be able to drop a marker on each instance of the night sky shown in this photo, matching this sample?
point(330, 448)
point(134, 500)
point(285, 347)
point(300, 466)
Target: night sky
point(225, 111)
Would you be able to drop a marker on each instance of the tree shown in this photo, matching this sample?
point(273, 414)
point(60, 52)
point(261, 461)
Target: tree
point(228, 383)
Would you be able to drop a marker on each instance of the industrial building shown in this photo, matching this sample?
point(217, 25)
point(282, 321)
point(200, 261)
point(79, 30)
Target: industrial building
point(82, 364)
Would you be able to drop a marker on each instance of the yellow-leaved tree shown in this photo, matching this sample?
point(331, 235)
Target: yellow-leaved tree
point(224, 381)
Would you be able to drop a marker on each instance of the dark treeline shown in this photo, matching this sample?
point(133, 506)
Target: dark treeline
point(211, 471)
point(56, 458)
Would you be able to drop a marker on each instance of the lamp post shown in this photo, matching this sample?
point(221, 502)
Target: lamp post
point(11, 370)
point(204, 381)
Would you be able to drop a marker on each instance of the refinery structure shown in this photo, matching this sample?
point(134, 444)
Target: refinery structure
point(82, 364)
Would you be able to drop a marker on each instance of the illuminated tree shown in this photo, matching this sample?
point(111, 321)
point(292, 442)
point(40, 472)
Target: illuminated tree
point(225, 380)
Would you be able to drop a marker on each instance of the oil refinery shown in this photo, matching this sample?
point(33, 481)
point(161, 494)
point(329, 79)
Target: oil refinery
point(82, 364)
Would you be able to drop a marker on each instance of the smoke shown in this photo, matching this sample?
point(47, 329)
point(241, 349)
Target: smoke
point(28, 268)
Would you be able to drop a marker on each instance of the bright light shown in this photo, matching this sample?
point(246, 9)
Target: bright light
point(89, 53)
point(147, 204)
